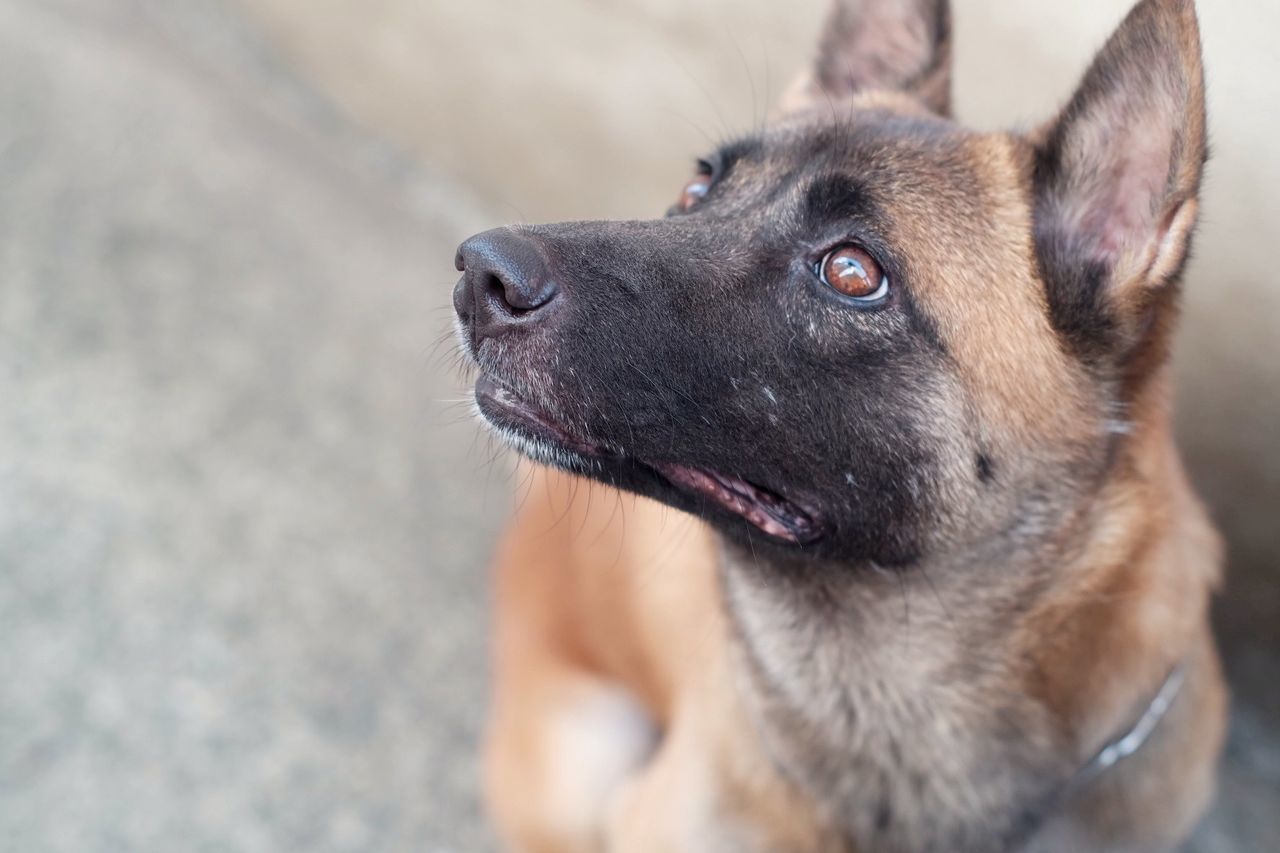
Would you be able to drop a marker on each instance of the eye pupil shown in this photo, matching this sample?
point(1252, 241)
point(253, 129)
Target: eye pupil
point(852, 271)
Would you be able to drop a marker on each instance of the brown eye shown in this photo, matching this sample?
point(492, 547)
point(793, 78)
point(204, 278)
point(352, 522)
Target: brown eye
point(848, 269)
point(694, 191)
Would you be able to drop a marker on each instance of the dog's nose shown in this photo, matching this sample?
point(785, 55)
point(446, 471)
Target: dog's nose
point(506, 282)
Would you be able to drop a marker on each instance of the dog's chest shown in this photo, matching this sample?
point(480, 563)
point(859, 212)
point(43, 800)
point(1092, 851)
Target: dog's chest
point(905, 737)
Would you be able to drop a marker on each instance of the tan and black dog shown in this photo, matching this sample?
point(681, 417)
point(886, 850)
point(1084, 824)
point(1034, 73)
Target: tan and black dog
point(944, 584)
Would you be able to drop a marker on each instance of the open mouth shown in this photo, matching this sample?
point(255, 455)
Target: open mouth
point(538, 435)
point(762, 508)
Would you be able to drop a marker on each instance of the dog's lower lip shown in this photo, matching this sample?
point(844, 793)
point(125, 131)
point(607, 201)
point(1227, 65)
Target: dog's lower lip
point(490, 390)
point(762, 508)
point(492, 395)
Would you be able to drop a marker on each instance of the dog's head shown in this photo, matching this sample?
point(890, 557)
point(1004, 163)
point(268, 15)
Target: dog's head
point(866, 332)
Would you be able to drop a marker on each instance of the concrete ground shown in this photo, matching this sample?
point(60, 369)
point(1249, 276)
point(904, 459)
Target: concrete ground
point(242, 517)
point(241, 538)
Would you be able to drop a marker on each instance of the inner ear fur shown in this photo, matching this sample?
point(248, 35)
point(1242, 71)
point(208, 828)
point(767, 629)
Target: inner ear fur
point(901, 46)
point(1117, 178)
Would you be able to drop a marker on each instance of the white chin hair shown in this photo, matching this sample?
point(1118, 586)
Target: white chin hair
point(536, 449)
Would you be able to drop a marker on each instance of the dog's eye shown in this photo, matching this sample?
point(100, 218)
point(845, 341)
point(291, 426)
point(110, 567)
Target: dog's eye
point(850, 270)
point(694, 191)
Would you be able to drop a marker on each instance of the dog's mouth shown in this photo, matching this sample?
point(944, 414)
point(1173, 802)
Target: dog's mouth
point(538, 434)
point(769, 511)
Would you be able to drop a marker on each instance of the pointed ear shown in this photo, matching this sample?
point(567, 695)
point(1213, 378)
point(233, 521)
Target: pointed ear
point(1117, 178)
point(885, 45)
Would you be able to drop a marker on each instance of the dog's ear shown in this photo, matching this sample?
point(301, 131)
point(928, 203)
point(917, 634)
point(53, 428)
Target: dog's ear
point(867, 45)
point(1116, 181)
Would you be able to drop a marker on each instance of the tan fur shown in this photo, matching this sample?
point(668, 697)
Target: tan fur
point(595, 586)
point(635, 600)
point(600, 592)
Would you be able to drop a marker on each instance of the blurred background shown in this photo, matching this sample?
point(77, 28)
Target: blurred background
point(243, 520)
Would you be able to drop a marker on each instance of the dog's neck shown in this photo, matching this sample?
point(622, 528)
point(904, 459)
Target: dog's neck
point(950, 703)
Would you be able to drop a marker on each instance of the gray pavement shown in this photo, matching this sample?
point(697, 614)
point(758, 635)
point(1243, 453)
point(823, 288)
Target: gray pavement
point(241, 541)
point(242, 521)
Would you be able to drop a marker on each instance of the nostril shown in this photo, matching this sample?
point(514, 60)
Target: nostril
point(517, 297)
point(501, 294)
point(531, 298)
point(509, 278)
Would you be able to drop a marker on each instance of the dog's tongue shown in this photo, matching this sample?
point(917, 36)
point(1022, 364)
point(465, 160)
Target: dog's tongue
point(765, 510)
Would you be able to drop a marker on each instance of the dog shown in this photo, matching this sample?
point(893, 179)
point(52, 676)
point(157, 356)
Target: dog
point(940, 581)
